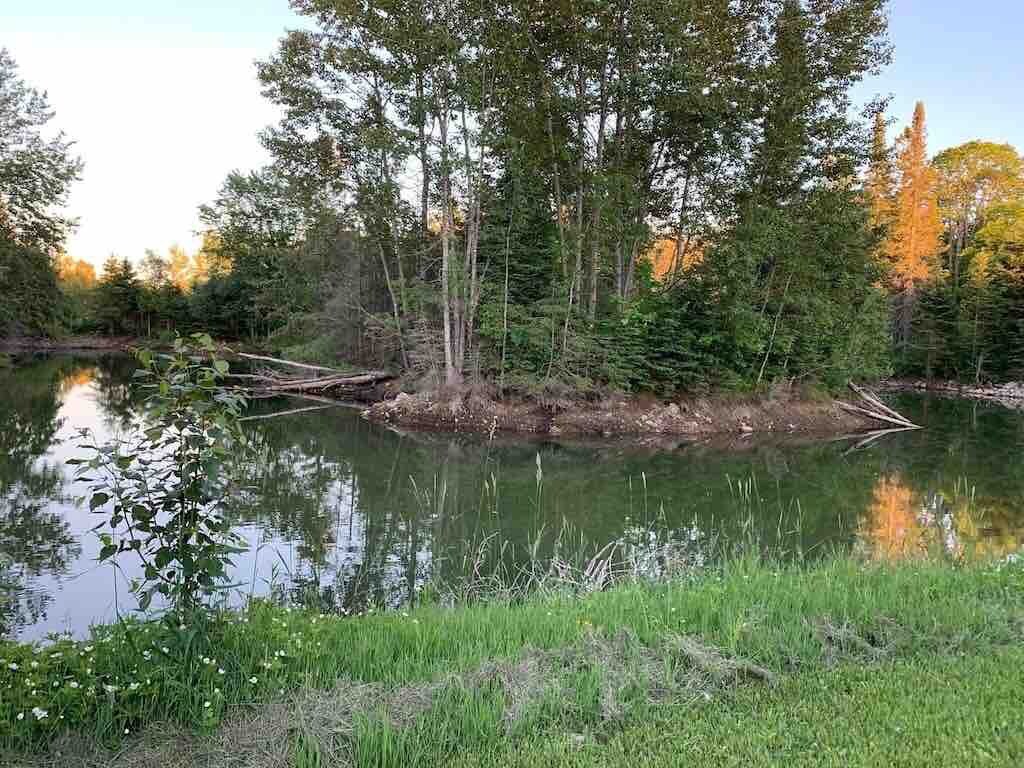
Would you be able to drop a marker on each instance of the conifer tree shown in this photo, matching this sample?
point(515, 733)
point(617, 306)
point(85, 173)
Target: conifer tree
point(915, 238)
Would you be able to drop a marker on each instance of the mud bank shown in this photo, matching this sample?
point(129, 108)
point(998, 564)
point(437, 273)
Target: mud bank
point(692, 417)
point(31, 345)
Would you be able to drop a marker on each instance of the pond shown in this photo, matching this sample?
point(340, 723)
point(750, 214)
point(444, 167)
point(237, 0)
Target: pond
point(360, 514)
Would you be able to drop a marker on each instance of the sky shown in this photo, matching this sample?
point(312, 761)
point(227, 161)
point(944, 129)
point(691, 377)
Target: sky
point(163, 101)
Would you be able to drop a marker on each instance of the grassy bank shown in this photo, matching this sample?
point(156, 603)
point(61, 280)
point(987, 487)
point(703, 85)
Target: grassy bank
point(722, 667)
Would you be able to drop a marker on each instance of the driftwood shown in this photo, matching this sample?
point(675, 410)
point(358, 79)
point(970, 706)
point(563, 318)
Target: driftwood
point(269, 382)
point(291, 363)
point(289, 412)
point(366, 379)
point(874, 408)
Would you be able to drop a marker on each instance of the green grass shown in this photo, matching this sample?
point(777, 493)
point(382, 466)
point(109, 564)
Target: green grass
point(832, 632)
point(929, 712)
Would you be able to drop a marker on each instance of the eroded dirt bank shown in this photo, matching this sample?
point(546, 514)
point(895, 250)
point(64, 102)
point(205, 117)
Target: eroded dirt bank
point(33, 344)
point(697, 416)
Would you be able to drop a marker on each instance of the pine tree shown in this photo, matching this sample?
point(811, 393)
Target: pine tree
point(914, 237)
point(914, 241)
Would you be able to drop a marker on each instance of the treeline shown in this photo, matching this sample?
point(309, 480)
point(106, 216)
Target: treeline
point(161, 296)
point(954, 246)
point(502, 172)
point(643, 195)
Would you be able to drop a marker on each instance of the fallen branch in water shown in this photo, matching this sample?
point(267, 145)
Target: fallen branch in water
point(266, 381)
point(328, 382)
point(290, 412)
point(875, 409)
point(292, 363)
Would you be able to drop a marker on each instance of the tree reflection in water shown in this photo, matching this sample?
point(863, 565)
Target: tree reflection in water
point(349, 514)
point(35, 539)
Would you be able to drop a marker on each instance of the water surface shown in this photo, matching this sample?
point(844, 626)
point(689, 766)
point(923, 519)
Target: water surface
point(361, 514)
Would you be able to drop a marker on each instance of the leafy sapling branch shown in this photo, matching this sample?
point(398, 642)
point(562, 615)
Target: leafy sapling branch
point(163, 489)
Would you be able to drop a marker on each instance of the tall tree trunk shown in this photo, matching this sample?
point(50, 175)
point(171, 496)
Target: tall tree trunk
point(597, 193)
point(452, 374)
point(424, 158)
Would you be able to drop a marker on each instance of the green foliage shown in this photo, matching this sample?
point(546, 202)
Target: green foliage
point(36, 166)
point(970, 329)
point(117, 296)
point(30, 301)
point(163, 492)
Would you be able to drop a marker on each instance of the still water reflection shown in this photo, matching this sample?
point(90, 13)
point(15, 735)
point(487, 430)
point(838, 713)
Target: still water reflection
point(357, 513)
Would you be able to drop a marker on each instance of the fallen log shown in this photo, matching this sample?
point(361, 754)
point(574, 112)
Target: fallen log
point(289, 412)
point(874, 408)
point(291, 363)
point(328, 382)
point(875, 401)
point(266, 382)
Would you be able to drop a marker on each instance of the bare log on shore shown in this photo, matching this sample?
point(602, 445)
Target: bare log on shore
point(872, 407)
point(270, 382)
point(291, 363)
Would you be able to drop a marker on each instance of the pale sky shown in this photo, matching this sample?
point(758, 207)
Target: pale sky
point(163, 101)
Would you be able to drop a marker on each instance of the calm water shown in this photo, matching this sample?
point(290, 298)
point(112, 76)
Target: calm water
point(360, 513)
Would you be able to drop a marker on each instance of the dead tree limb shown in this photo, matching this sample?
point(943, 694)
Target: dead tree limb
point(278, 361)
point(876, 410)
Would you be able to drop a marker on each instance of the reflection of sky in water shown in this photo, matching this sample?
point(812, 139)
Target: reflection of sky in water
point(93, 592)
point(360, 513)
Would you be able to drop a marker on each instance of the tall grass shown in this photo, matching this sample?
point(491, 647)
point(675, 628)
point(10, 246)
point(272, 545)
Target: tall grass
point(132, 673)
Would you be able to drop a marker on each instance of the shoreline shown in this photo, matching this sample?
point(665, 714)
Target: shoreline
point(88, 343)
point(628, 416)
point(1009, 394)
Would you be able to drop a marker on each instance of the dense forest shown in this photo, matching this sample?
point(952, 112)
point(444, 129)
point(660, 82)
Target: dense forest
point(560, 197)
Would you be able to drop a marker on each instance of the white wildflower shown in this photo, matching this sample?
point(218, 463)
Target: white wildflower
point(41, 714)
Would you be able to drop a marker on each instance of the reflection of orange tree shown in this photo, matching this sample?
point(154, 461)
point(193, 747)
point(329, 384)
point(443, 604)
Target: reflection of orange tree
point(902, 523)
point(890, 528)
point(76, 377)
point(988, 527)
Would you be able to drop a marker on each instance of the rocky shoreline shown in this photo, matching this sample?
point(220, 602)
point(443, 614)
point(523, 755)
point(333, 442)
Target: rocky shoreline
point(1010, 394)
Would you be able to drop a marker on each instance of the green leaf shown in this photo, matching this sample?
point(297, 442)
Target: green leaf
point(98, 500)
